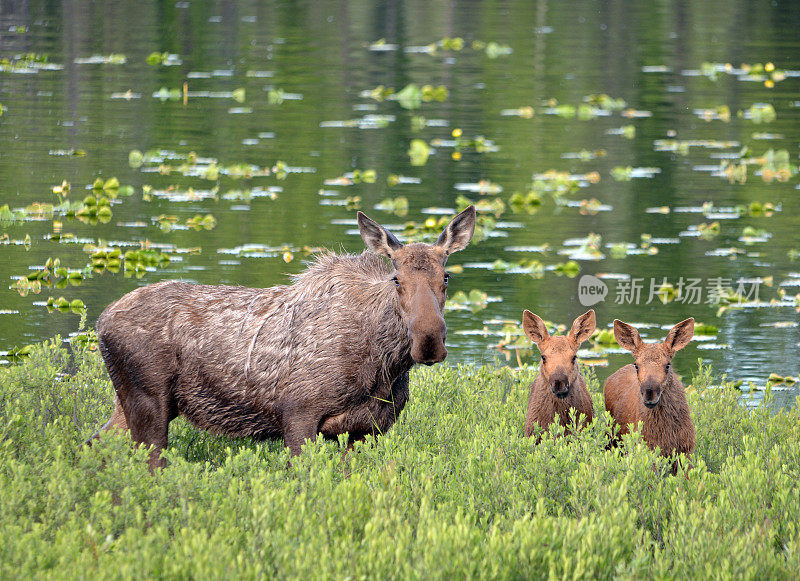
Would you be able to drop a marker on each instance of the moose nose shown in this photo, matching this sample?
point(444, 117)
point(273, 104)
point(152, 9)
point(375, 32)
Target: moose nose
point(430, 357)
point(559, 384)
point(651, 394)
point(428, 348)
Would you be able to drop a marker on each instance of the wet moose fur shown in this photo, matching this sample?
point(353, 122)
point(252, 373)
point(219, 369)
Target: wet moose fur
point(650, 392)
point(559, 388)
point(328, 354)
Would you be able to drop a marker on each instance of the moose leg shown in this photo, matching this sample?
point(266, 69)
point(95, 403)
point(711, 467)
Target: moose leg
point(298, 428)
point(373, 416)
point(142, 400)
point(148, 418)
point(117, 421)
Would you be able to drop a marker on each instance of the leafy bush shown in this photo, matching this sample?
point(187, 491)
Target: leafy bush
point(452, 490)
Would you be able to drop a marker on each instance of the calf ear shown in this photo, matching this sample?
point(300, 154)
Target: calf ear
point(582, 328)
point(376, 237)
point(458, 232)
point(534, 327)
point(627, 336)
point(680, 335)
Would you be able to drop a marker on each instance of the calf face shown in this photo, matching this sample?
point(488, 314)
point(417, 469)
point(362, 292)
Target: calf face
point(559, 367)
point(421, 280)
point(653, 361)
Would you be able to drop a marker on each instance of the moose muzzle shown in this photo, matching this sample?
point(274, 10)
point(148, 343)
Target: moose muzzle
point(651, 393)
point(559, 385)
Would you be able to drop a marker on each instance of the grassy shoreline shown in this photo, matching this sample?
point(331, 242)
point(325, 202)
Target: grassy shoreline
point(452, 490)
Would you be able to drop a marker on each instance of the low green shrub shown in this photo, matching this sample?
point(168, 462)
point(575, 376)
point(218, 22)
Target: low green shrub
point(453, 490)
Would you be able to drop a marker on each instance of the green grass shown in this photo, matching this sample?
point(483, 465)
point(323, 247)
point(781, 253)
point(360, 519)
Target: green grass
point(453, 490)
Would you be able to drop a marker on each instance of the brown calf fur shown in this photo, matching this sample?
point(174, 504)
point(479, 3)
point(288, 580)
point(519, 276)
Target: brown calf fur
point(559, 387)
point(328, 354)
point(650, 392)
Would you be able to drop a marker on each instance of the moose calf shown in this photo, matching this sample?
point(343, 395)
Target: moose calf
point(559, 387)
point(327, 354)
point(649, 391)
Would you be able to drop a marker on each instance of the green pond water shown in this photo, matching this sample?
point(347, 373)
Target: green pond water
point(638, 142)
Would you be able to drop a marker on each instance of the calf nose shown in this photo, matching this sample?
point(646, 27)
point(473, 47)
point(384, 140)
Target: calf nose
point(559, 384)
point(651, 394)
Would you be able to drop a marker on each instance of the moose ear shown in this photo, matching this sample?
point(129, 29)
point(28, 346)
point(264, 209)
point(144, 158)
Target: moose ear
point(376, 237)
point(680, 335)
point(582, 328)
point(534, 327)
point(458, 232)
point(627, 336)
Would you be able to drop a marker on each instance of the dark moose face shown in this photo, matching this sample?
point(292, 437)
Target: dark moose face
point(559, 368)
point(653, 361)
point(421, 281)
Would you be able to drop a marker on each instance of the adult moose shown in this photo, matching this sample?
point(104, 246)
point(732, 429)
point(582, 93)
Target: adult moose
point(329, 353)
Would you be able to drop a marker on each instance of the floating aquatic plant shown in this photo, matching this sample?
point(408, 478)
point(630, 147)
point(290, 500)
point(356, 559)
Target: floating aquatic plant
point(626, 174)
point(98, 59)
point(64, 305)
point(775, 379)
point(759, 113)
point(163, 59)
point(604, 338)
point(585, 154)
point(525, 112)
point(557, 183)
point(28, 63)
point(759, 209)
point(409, 97)
point(475, 301)
point(626, 131)
point(705, 329)
point(719, 113)
point(165, 94)
point(494, 50)
point(494, 206)
point(530, 202)
point(759, 72)
point(708, 230)
point(397, 206)
point(286, 252)
point(418, 152)
point(682, 146)
point(570, 269)
point(606, 102)
point(51, 274)
point(461, 143)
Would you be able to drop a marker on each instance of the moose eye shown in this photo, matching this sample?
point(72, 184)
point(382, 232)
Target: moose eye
point(667, 367)
point(396, 282)
point(636, 366)
point(574, 358)
point(446, 278)
point(544, 358)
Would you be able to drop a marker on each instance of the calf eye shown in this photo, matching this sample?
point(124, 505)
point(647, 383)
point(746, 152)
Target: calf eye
point(574, 358)
point(396, 282)
point(636, 366)
point(544, 358)
point(446, 278)
point(667, 367)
